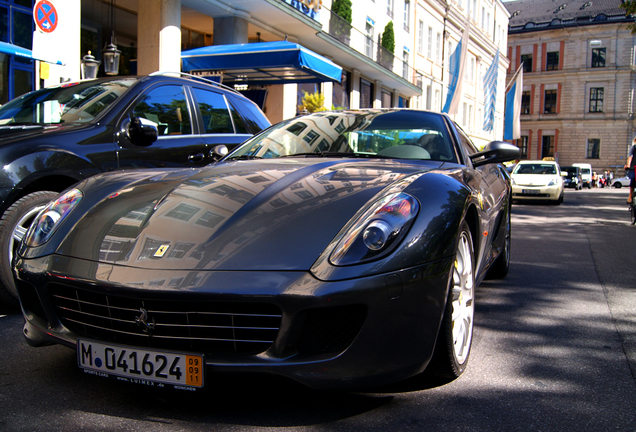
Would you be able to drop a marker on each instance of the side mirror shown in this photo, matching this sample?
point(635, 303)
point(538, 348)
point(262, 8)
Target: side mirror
point(218, 152)
point(141, 131)
point(496, 152)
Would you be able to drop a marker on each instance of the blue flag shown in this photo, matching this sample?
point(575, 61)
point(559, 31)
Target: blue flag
point(490, 93)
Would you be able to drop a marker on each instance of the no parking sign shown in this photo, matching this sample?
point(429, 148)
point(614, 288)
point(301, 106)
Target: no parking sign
point(45, 16)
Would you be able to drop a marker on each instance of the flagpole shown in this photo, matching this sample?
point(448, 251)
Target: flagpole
point(513, 77)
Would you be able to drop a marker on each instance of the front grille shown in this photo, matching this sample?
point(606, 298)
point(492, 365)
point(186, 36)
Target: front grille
point(198, 326)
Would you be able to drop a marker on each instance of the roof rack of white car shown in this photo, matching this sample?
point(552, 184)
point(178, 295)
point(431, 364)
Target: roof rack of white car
point(196, 77)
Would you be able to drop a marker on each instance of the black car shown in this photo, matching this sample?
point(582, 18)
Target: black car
point(54, 137)
point(339, 249)
point(572, 177)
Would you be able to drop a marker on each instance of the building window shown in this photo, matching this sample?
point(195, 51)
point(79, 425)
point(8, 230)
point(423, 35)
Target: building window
point(552, 61)
point(407, 15)
point(438, 48)
point(389, 8)
point(366, 90)
point(593, 148)
point(429, 48)
point(598, 57)
point(550, 104)
point(522, 143)
point(547, 146)
point(405, 64)
point(596, 100)
point(526, 59)
point(420, 37)
point(525, 102)
point(368, 43)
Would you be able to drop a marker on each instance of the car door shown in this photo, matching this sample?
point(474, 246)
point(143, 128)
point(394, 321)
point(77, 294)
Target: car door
point(178, 144)
point(220, 121)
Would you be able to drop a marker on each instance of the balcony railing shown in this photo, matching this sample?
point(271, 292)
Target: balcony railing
point(366, 45)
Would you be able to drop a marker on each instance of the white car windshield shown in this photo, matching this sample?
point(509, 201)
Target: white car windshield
point(538, 168)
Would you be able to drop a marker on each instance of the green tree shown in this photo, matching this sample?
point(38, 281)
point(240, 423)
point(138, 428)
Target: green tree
point(343, 9)
point(388, 37)
point(630, 8)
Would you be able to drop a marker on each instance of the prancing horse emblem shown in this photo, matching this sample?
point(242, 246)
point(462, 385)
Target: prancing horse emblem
point(142, 321)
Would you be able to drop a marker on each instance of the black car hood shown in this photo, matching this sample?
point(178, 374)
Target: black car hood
point(248, 215)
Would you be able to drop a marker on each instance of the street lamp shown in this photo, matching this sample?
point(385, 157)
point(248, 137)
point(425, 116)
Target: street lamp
point(111, 54)
point(90, 66)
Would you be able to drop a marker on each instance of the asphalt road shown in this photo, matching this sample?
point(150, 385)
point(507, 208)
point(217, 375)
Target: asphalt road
point(554, 350)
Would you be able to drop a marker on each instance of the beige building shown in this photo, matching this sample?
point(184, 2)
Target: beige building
point(578, 80)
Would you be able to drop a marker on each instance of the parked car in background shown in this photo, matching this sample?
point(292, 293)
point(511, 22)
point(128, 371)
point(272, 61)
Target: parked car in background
point(621, 182)
point(537, 180)
point(572, 177)
point(586, 173)
point(54, 137)
point(338, 249)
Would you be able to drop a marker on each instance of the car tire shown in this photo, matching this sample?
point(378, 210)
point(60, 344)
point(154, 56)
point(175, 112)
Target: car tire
point(500, 267)
point(618, 185)
point(14, 224)
point(456, 333)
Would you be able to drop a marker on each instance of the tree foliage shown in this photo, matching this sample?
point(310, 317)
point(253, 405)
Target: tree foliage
point(314, 102)
point(630, 9)
point(388, 37)
point(343, 9)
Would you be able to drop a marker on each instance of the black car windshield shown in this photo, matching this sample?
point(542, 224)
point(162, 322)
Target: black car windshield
point(402, 134)
point(70, 103)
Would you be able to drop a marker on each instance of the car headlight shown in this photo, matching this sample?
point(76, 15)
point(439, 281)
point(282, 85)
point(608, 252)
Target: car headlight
point(47, 221)
point(552, 182)
point(377, 230)
point(513, 181)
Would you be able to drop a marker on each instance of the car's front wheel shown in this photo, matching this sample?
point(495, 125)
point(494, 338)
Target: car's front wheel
point(456, 333)
point(14, 224)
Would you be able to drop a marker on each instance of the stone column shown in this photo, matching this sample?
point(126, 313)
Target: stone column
point(158, 36)
point(230, 30)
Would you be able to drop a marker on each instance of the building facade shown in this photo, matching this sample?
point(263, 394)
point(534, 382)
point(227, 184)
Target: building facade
point(152, 34)
point(578, 81)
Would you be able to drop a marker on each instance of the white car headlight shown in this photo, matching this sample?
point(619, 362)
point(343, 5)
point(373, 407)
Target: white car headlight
point(552, 182)
point(51, 217)
point(377, 230)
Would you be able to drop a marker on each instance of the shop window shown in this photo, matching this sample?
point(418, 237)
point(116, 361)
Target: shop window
point(366, 93)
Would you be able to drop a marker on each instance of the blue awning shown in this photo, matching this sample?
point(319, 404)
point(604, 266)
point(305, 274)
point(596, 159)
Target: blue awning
point(19, 51)
point(261, 63)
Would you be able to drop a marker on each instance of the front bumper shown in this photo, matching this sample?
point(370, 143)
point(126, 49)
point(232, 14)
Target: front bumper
point(340, 334)
point(552, 193)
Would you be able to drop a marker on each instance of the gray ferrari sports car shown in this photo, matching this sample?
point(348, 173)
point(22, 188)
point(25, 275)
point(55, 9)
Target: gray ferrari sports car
point(338, 249)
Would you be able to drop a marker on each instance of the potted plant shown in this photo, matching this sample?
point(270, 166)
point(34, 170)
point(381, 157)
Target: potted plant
point(387, 46)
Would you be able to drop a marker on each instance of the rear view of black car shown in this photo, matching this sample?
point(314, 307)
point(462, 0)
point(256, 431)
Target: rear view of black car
point(52, 138)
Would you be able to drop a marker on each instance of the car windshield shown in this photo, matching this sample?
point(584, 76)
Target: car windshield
point(538, 168)
point(71, 103)
point(402, 134)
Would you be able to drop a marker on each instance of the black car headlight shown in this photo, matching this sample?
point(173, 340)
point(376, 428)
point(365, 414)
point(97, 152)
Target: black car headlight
point(376, 231)
point(47, 221)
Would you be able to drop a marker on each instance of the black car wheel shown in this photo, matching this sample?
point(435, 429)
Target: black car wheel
point(14, 224)
point(456, 333)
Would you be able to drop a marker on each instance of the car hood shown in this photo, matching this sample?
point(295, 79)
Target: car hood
point(248, 215)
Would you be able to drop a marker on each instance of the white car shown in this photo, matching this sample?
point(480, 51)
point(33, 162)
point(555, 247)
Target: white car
point(537, 180)
point(620, 182)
